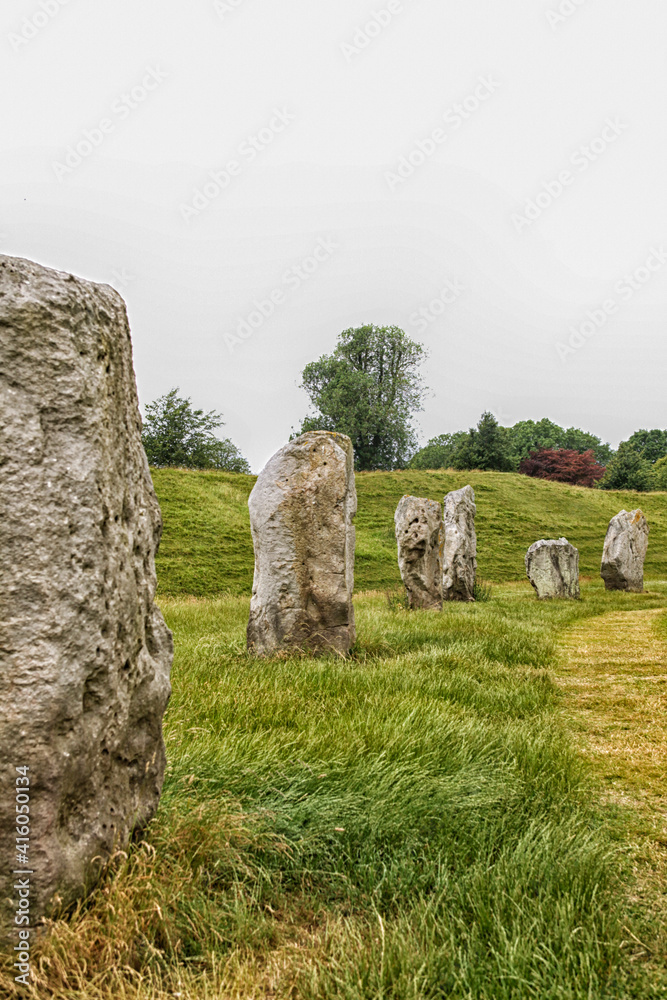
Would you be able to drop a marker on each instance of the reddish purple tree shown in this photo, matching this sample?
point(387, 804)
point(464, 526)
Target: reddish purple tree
point(562, 465)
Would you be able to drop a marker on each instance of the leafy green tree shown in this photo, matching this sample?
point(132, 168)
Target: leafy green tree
point(627, 471)
point(530, 435)
point(581, 441)
point(487, 446)
point(369, 388)
point(439, 452)
point(175, 435)
point(660, 474)
point(651, 445)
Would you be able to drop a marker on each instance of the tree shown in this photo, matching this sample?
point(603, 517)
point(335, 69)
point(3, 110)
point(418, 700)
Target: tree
point(439, 452)
point(531, 435)
point(581, 441)
point(488, 446)
point(369, 388)
point(651, 445)
point(563, 465)
point(660, 474)
point(176, 435)
point(627, 471)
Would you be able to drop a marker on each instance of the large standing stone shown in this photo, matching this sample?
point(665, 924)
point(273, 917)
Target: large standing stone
point(301, 512)
point(420, 540)
point(624, 552)
point(553, 569)
point(85, 652)
point(460, 553)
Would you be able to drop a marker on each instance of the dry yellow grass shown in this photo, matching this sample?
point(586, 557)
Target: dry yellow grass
point(614, 677)
point(615, 680)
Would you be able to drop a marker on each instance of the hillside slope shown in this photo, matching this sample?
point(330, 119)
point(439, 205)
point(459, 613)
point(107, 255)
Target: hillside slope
point(207, 549)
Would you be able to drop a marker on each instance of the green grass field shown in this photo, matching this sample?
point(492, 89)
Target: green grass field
point(415, 822)
point(207, 549)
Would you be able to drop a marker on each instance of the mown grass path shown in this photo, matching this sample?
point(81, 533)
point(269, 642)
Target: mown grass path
point(614, 677)
point(615, 680)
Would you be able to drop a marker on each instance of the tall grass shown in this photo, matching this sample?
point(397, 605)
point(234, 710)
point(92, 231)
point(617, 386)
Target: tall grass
point(410, 822)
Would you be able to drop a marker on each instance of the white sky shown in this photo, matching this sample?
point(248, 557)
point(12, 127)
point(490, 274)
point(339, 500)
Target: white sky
point(220, 72)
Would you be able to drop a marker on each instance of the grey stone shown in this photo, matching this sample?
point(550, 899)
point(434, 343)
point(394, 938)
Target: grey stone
point(553, 569)
point(624, 552)
point(420, 539)
point(301, 516)
point(85, 652)
point(460, 551)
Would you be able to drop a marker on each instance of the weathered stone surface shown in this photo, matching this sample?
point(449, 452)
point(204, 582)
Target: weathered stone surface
point(301, 515)
point(624, 552)
point(420, 539)
point(85, 652)
point(460, 552)
point(553, 569)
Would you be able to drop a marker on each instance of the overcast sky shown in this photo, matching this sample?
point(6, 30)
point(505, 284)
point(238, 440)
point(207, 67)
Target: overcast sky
point(255, 177)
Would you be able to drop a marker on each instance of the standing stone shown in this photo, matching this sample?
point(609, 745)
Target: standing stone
point(460, 554)
point(420, 539)
point(86, 654)
point(553, 569)
point(624, 552)
point(301, 512)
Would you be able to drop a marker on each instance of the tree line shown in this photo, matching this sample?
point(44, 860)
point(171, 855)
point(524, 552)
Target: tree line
point(545, 450)
point(370, 388)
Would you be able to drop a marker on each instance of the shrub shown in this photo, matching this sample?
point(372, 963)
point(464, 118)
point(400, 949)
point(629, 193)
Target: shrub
point(563, 465)
point(628, 471)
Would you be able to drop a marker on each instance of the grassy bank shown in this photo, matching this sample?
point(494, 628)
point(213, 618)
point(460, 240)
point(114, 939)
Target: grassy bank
point(409, 823)
point(207, 548)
